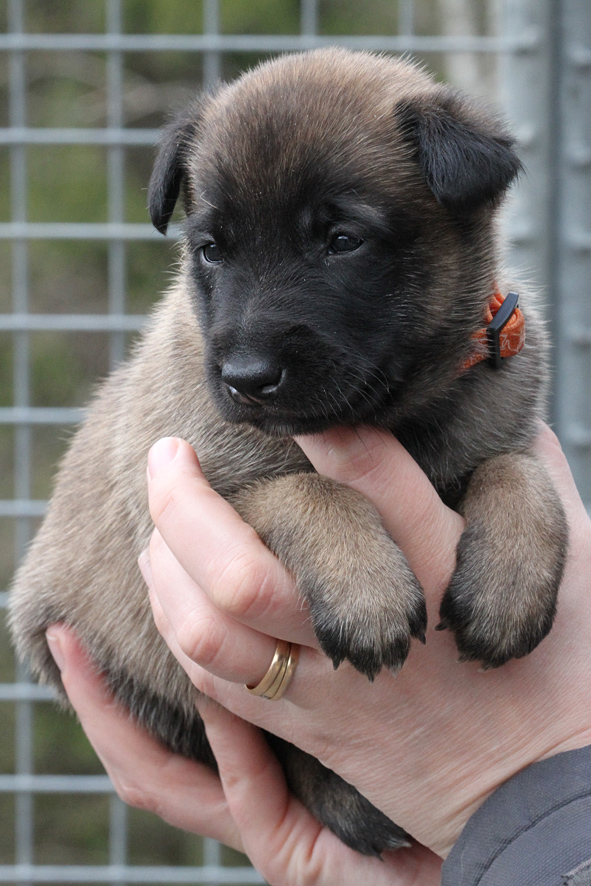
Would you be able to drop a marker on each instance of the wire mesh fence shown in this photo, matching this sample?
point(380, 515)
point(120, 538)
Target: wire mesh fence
point(83, 89)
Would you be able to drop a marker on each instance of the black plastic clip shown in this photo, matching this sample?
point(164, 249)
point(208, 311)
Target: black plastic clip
point(495, 327)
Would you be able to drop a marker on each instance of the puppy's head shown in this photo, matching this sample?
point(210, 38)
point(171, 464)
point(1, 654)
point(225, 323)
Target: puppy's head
point(338, 236)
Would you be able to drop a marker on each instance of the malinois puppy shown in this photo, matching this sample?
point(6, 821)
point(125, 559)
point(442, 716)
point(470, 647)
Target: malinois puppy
point(340, 265)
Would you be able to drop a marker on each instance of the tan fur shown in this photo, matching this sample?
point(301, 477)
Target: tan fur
point(248, 159)
point(358, 582)
point(510, 507)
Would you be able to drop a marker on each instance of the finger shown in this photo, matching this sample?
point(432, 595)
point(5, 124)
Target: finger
point(547, 447)
point(285, 843)
point(255, 789)
point(308, 685)
point(221, 553)
point(144, 773)
point(204, 634)
point(374, 463)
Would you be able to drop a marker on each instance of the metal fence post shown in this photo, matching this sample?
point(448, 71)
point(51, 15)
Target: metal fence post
point(548, 222)
point(22, 440)
point(573, 243)
point(525, 97)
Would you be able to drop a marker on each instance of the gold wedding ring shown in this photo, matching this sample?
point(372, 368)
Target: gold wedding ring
point(281, 670)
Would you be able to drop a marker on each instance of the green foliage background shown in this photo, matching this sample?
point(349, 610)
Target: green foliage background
point(69, 184)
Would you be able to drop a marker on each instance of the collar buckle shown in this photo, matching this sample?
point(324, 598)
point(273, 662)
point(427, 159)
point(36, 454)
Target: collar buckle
point(503, 335)
point(496, 326)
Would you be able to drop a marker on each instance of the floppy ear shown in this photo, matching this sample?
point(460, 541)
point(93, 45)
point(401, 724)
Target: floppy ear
point(170, 167)
point(466, 157)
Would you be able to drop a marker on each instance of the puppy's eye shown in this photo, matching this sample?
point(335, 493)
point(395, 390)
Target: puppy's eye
point(212, 253)
point(344, 243)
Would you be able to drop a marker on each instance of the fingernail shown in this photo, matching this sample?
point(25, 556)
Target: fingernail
point(161, 454)
point(145, 567)
point(55, 647)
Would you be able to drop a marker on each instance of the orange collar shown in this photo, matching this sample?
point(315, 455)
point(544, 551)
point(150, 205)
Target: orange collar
point(504, 333)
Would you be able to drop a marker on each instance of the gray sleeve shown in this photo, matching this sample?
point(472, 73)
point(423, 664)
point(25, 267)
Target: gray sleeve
point(535, 830)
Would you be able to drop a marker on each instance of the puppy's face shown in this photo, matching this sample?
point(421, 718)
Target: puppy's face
point(303, 285)
point(338, 236)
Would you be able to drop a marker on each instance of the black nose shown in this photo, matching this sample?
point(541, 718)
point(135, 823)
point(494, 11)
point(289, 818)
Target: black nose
point(252, 379)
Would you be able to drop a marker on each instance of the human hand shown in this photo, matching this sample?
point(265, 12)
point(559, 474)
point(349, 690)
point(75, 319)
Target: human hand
point(443, 735)
point(247, 807)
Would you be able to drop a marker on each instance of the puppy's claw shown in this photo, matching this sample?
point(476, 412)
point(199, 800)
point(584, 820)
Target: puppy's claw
point(494, 648)
point(371, 631)
point(418, 618)
point(367, 658)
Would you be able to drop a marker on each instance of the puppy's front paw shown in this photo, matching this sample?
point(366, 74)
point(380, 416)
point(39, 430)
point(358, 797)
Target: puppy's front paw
point(369, 615)
point(365, 601)
point(502, 598)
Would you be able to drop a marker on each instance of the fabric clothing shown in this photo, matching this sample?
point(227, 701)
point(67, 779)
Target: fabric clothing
point(535, 830)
